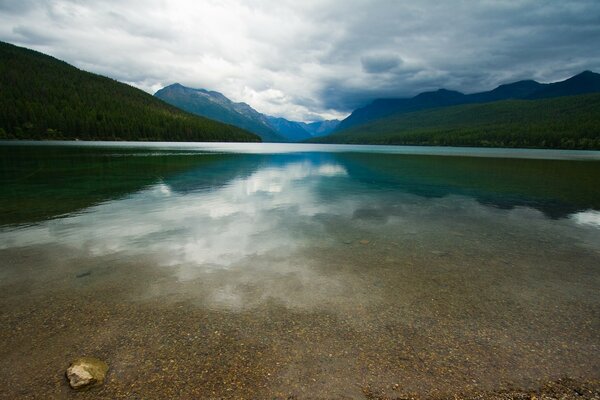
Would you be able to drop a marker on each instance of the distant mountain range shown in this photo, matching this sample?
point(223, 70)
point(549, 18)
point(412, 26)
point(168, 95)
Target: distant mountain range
point(45, 98)
point(214, 105)
point(300, 131)
point(585, 82)
point(566, 122)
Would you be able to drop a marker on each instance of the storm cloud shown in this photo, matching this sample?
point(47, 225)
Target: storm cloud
point(309, 60)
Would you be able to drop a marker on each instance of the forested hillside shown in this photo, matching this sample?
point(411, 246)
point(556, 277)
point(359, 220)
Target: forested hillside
point(45, 98)
point(571, 122)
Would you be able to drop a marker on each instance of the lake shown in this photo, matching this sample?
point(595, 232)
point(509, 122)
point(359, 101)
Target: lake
point(297, 271)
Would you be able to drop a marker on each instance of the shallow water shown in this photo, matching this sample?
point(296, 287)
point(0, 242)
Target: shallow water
point(240, 270)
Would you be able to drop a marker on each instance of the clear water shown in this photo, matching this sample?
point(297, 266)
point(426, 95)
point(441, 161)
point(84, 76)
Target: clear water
point(298, 270)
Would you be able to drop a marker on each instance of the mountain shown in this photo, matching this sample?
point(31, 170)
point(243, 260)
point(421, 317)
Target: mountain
point(291, 130)
point(45, 98)
point(216, 106)
point(300, 131)
point(321, 128)
point(586, 82)
point(516, 90)
point(381, 108)
point(566, 122)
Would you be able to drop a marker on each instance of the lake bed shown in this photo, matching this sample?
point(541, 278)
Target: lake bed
point(253, 271)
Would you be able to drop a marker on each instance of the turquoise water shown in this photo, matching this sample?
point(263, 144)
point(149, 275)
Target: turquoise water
point(357, 267)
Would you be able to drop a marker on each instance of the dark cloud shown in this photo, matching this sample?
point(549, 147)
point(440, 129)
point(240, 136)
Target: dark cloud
point(305, 60)
point(11, 6)
point(375, 64)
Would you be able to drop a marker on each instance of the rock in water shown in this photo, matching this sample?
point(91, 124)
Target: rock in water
point(86, 372)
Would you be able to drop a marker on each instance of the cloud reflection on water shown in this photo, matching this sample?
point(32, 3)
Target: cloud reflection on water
point(589, 217)
point(251, 215)
point(266, 235)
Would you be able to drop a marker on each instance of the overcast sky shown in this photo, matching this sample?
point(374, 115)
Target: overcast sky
point(309, 60)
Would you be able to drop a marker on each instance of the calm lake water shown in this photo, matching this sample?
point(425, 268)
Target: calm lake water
point(268, 270)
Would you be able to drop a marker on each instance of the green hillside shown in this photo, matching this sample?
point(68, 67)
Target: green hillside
point(45, 98)
point(571, 122)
